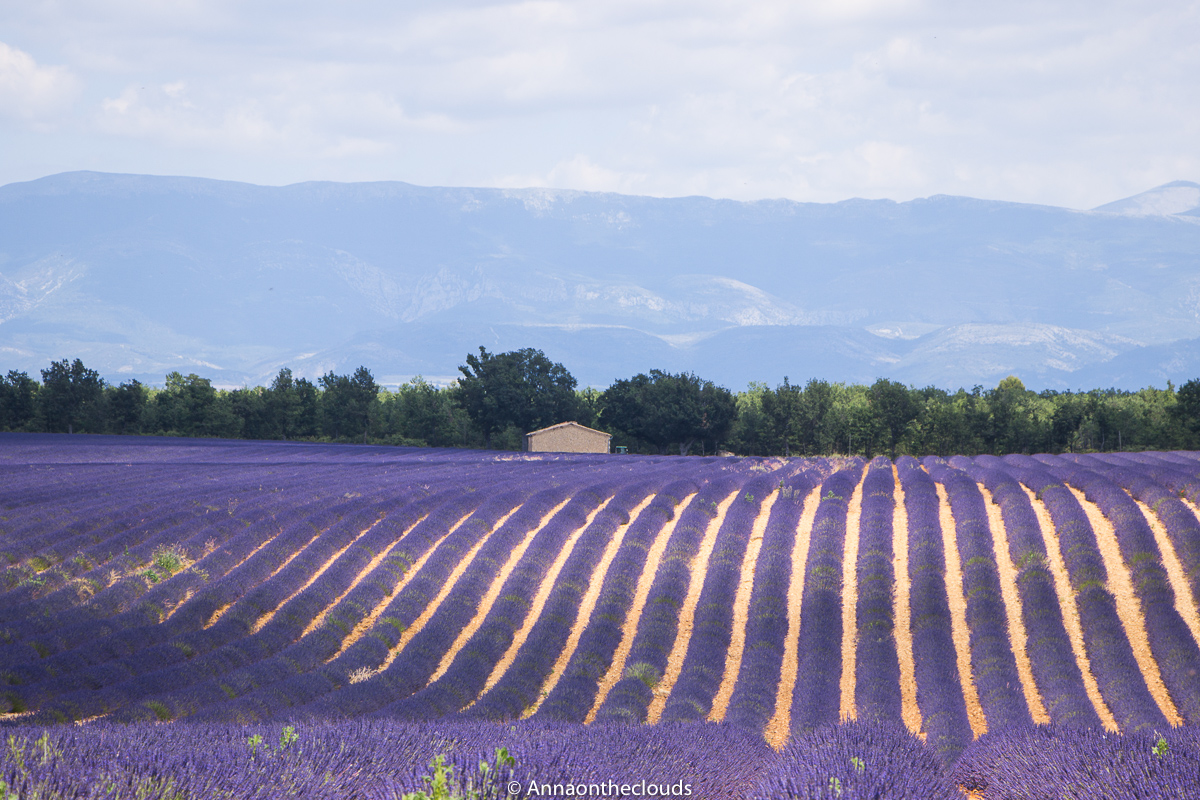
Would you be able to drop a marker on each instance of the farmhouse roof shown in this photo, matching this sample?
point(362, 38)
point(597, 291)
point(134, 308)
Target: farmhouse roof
point(571, 424)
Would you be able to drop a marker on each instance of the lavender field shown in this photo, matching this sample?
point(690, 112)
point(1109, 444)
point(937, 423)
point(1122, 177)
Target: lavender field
point(233, 619)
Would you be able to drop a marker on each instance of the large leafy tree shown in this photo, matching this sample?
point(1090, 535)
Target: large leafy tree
point(893, 406)
point(70, 397)
point(126, 404)
point(191, 406)
point(665, 409)
point(522, 389)
point(18, 401)
point(291, 406)
point(347, 402)
point(782, 412)
point(1186, 410)
point(423, 413)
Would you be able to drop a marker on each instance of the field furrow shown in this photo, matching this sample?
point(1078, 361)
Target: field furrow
point(608, 538)
point(846, 707)
point(835, 617)
point(630, 626)
point(756, 691)
point(576, 691)
point(1129, 610)
point(779, 727)
point(1121, 681)
point(1185, 601)
point(993, 660)
point(1007, 572)
point(463, 671)
point(958, 615)
point(902, 612)
point(1070, 610)
point(700, 573)
point(940, 694)
point(537, 605)
point(409, 614)
point(741, 609)
point(816, 700)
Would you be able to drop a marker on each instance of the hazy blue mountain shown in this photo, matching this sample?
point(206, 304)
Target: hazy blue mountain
point(1177, 197)
point(138, 275)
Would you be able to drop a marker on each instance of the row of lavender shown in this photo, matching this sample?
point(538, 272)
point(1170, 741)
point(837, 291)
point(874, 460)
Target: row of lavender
point(385, 760)
point(1015, 485)
point(238, 668)
point(290, 512)
point(240, 639)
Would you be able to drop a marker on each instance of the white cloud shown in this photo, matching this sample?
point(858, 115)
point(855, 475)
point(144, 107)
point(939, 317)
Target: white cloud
point(31, 93)
point(582, 174)
point(1067, 103)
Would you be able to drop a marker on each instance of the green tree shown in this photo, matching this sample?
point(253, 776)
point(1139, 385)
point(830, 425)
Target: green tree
point(751, 433)
point(1187, 410)
point(249, 405)
point(894, 407)
point(347, 403)
point(71, 397)
point(520, 391)
point(425, 414)
point(664, 409)
point(1015, 427)
point(947, 424)
point(291, 406)
point(1066, 420)
point(190, 406)
point(587, 406)
point(18, 401)
point(126, 407)
point(783, 419)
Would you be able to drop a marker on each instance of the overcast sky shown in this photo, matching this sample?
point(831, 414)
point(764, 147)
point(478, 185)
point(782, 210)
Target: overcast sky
point(1067, 103)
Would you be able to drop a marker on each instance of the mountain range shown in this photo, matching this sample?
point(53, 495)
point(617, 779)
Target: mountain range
point(140, 275)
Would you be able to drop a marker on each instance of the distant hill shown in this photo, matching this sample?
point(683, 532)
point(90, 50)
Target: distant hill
point(1178, 197)
point(139, 275)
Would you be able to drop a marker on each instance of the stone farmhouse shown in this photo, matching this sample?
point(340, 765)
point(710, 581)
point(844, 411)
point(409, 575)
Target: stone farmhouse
point(567, 437)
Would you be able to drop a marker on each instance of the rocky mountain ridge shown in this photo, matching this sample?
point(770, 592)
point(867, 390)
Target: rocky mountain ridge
point(139, 275)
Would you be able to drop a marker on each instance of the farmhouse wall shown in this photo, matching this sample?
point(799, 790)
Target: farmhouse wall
point(567, 437)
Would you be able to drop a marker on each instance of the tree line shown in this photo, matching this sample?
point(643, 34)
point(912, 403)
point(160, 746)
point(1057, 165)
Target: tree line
point(501, 396)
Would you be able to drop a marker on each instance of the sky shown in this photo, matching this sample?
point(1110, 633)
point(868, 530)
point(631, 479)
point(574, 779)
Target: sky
point(1068, 103)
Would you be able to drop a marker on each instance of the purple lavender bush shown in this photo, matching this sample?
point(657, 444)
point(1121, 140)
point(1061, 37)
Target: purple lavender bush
point(856, 761)
point(1082, 764)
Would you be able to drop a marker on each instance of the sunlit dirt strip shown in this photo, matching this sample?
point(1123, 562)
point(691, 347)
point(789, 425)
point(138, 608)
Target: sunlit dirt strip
point(847, 708)
point(265, 618)
point(1018, 638)
point(375, 562)
point(910, 712)
point(489, 597)
point(447, 587)
point(369, 621)
point(687, 613)
point(1070, 611)
point(780, 727)
point(586, 606)
point(741, 610)
point(629, 629)
point(221, 611)
point(958, 613)
point(217, 614)
point(1129, 609)
point(538, 604)
point(1185, 603)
